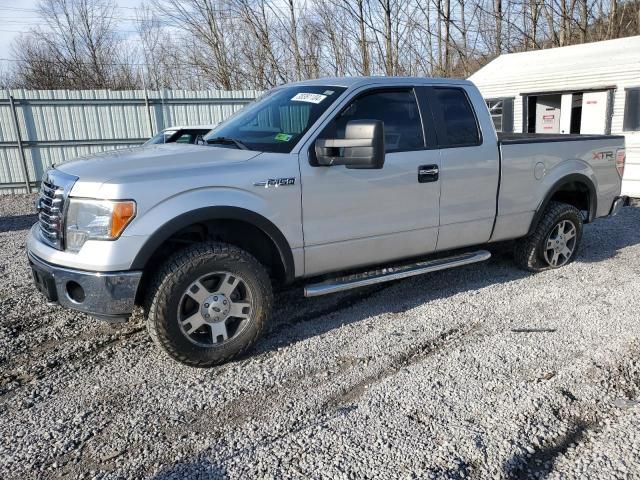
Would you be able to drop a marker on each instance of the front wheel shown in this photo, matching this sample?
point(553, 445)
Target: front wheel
point(209, 303)
point(555, 241)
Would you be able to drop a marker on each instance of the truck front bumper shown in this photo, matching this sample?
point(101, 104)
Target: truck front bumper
point(105, 295)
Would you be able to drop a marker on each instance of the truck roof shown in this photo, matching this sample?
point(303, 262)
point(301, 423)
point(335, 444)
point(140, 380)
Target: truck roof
point(359, 81)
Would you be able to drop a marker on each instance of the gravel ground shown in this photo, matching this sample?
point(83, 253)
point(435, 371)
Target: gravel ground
point(481, 372)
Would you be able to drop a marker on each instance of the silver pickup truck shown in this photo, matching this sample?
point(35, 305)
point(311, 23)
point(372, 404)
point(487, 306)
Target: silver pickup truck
point(334, 183)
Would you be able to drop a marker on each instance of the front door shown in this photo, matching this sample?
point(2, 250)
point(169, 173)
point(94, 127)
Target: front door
point(355, 217)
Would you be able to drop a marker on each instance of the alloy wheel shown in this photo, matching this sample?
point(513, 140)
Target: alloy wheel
point(560, 243)
point(214, 309)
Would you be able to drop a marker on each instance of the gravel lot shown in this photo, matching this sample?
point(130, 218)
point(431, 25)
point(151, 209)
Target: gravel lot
point(481, 372)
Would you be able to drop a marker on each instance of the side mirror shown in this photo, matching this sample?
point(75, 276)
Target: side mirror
point(200, 140)
point(362, 147)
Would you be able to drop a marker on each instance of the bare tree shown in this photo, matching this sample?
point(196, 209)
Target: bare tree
point(613, 26)
point(6, 80)
point(155, 43)
point(76, 47)
point(207, 23)
point(584, 20)
point(364, 47)
point(232, 44)
point(294, 39)
point(498, 16)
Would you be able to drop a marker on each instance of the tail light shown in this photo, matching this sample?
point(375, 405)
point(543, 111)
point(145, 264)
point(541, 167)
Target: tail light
point(621, 157)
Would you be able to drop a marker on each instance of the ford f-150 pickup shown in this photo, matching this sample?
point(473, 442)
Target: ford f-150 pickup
point(334, 183)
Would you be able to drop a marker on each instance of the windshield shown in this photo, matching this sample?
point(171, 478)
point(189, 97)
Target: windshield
point(278, 120)
point(162, 137)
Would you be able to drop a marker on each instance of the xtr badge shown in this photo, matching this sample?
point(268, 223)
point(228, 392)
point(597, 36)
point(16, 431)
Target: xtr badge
point(603, 156)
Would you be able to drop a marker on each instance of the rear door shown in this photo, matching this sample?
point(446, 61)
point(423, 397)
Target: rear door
point(469, 167)
point(355, 217)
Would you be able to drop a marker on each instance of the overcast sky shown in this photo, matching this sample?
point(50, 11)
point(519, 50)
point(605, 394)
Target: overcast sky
point(19, 16)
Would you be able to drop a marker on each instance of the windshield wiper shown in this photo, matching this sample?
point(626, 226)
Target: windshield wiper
point(228, 141)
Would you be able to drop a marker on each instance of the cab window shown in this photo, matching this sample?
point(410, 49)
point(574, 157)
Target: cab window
point(398, 109)
point(162, 137)
point(185, 138)
point(455, 120)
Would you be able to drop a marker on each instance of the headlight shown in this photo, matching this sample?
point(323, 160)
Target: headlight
point(96, 220)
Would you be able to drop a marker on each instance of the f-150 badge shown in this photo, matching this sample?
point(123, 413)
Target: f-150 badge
point(275, 182)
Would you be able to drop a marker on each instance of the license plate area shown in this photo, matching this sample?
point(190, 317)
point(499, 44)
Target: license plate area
point(45, 283)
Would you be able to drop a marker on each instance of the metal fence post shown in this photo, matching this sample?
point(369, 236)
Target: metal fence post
point(20, 146)
point(146, 102)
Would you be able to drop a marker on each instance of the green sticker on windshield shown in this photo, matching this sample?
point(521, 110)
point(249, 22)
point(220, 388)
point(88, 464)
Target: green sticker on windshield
point(283, 137)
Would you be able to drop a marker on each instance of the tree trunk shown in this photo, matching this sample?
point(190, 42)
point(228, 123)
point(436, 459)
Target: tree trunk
point(563, 23)
point(364, 48)
point(584, 20)
point(498, 16)
point(387, 37)
point(551, 24)
point(440, 50)
point(613, 20)
point(535, 15)
point(463, 32)
point(447, 37)
point(294, 41)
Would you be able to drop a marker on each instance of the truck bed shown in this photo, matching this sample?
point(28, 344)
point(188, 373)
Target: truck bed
point(530, 165)
point(514, 138)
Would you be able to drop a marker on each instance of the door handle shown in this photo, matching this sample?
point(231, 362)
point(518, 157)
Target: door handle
point(428, 173)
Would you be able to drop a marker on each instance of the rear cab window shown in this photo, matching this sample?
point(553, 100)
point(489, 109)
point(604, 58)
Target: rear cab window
point(162, 137)
point(455, 119)
point(185, 138)
point(190, 136)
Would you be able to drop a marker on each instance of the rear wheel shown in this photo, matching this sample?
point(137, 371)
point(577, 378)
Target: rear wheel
point(209, 304)
point(555, 241)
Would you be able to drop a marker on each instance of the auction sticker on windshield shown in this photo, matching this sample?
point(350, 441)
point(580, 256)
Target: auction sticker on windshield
point(283, 137)
point(308, 97)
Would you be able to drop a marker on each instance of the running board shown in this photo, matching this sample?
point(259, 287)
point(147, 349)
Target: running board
point(393, 273)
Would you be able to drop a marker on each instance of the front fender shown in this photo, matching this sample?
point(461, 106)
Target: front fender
point(151, 216)
point(218, 212)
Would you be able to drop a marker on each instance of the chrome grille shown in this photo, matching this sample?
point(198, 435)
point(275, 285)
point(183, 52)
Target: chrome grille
point(54, 190)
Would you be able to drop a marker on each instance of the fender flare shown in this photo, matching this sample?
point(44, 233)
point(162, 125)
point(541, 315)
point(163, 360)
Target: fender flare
point(207, 214)
point(556, 187)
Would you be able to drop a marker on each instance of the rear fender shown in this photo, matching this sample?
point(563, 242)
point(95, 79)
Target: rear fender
point(570, 171)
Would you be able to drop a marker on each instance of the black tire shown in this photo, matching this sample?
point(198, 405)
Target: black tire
point(167, 294)
point(529, 252)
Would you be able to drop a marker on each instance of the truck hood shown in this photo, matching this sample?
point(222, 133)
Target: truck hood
point(117, 166)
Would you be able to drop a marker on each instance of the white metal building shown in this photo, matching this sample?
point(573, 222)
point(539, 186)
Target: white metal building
point(588, 88)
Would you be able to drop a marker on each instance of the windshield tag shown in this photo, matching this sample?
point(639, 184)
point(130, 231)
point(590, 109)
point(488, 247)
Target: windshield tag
point(283, 137)
point(309, 97)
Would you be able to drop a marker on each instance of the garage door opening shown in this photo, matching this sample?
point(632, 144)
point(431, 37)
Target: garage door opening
point(573, 112)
